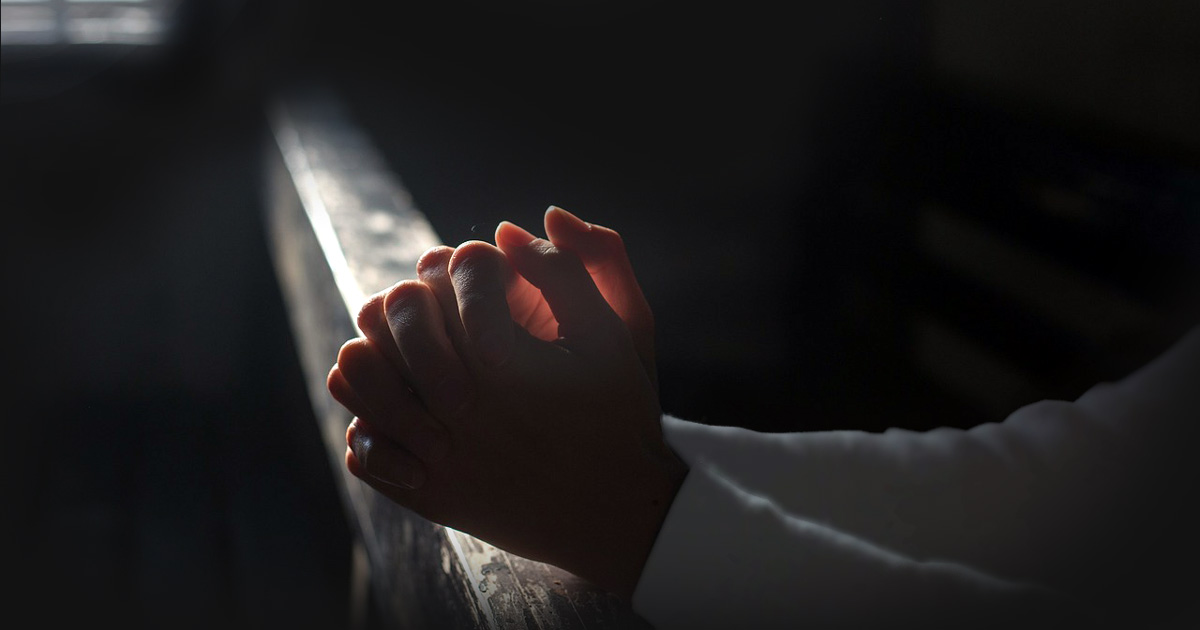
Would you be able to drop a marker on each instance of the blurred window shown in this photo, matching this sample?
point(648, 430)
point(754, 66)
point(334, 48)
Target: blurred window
point(52, 22)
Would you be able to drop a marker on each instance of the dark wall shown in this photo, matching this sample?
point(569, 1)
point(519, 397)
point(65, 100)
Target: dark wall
point(770, 168)
point(162, 464)
point(695, 130)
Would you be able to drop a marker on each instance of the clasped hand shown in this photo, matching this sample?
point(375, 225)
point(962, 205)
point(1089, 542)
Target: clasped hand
point(510, 393)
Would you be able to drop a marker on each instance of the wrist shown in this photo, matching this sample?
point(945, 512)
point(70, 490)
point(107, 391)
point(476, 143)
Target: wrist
point(633, 529)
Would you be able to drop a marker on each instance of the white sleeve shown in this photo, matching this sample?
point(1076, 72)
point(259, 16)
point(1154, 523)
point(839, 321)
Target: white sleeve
point(1032, 517)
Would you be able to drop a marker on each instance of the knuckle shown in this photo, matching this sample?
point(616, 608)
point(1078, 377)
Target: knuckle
point(563, 260)
point(403, 295)
point(434, 258)
point(609, 239)
point(472, 255)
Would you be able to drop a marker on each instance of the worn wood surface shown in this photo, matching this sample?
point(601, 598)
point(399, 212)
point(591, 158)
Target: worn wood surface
point(343, 227)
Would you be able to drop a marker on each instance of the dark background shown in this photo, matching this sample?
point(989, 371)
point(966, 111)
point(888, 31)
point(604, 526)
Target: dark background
point(771, 172)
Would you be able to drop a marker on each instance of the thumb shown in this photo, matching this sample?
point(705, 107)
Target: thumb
point(572, 296)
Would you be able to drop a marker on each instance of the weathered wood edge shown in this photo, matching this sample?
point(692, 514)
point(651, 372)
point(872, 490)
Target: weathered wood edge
point(342, 227)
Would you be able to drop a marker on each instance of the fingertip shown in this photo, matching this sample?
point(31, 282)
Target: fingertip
point(557, 219)
point(352, 350)
point(370, 314)
point(353, 466)
point(333, 376)
point(597, 245)
point(335, 383)
point(512, 236)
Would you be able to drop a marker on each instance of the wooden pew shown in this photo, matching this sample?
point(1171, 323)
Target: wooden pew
point(342, 227)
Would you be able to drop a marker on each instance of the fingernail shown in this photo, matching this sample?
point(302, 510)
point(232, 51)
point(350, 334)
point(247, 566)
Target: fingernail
point(410, 475)
point(429, 444)
point(494, 347)
point(401, 474)
point(576, 222)
point(513, 234)
point(360, 443)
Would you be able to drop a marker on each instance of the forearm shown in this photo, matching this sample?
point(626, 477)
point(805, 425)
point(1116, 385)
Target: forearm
point(987, 497)
point(1016, 497)
point(1040, 498)
point(726, 558)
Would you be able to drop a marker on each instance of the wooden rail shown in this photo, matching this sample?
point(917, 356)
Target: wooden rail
point(342, 227)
